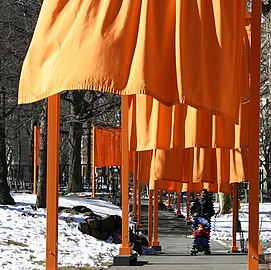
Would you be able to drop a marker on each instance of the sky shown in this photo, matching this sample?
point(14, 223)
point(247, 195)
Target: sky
point(23, 233)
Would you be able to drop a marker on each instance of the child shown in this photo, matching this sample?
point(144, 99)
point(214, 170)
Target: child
point(200, 232)
point(202, 239)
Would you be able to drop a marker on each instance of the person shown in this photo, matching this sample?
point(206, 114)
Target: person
point(202, 210)
point(201, 235)
point(203, 206)
point(201, 232)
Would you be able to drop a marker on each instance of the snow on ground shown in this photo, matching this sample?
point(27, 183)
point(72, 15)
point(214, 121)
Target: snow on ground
point(23, 233)
point(222, 225)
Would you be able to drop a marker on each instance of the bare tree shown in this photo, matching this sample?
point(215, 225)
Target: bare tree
point(86, 108)
point(13, 44)
point(265, 105)
point(5, 197)
point(225, 203)
point(41, 182)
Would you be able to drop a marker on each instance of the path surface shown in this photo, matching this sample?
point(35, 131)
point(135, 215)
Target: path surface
point(173, 235)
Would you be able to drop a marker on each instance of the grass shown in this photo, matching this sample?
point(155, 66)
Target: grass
point(103, 266)
point(15, 243)
point(77, 268)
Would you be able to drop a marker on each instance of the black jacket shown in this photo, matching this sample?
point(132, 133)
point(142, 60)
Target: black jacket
point(202, 208)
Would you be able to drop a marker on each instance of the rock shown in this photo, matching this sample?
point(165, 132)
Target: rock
point(84, 228)
point(117, 237)
point(82, 209)
point(100, 227)
point(110, 224)
point(96, 233)
point(93, 223)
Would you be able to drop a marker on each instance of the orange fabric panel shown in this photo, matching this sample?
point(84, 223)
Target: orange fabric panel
point(227, 135)
point(107, 147)
point(170, 186)
point(244, 81)
point(78, 45)
point(185, 165)
point(194, 132)
point(211, 187)
point(167, 165)
point(149, 123)
point(217, 167)
point(153, 125)
point(144, 167)
point(239, 165)
point(231, 165)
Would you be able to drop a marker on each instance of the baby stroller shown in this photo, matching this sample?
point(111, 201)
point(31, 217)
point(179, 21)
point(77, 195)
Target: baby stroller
point(201, 233)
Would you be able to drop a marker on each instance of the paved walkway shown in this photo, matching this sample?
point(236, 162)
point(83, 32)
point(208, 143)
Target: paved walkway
point(176, 246)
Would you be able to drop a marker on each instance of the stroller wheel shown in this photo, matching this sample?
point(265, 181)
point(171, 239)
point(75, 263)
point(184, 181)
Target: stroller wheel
point(207, 252)
point(193, 252)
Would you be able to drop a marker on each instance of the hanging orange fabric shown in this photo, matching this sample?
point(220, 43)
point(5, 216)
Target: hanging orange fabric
point(113, 46)
point(170, 186)
point(211, 187)
point(198, 165)
point(144, 167)
point(107, 146)
point(153, 125)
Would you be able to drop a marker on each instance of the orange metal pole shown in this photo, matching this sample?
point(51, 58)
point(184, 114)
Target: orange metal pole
point(93, 180)
point(155, 218)
point(125, 249)
point(135, 185)
point(150, 217)
point(254, 115)
point(36, 157)
point(178, 203)
point(161, 196)
point(234, 248)
point(139, 224)
point(52, 181)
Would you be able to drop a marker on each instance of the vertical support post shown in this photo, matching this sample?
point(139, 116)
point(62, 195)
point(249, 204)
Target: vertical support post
point(52, 181)
point(155, 242)
point(36, 157)
point(178, 213)
point(150, 216)
point(125, 249)
point(254, 115)
point(135, 161)
point(93, 178)
point(234, 247)
point(88, 156)
point(139, 224)
point(161, 197)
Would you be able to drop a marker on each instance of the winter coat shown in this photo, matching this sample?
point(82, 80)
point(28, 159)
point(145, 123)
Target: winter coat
point(202, 208)
point(200, 233)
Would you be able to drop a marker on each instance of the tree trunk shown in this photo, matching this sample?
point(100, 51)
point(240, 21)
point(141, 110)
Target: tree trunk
point(5, 197)
point(31, 151)
point(225, 203)
point(41, 181)
point(75, 176)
